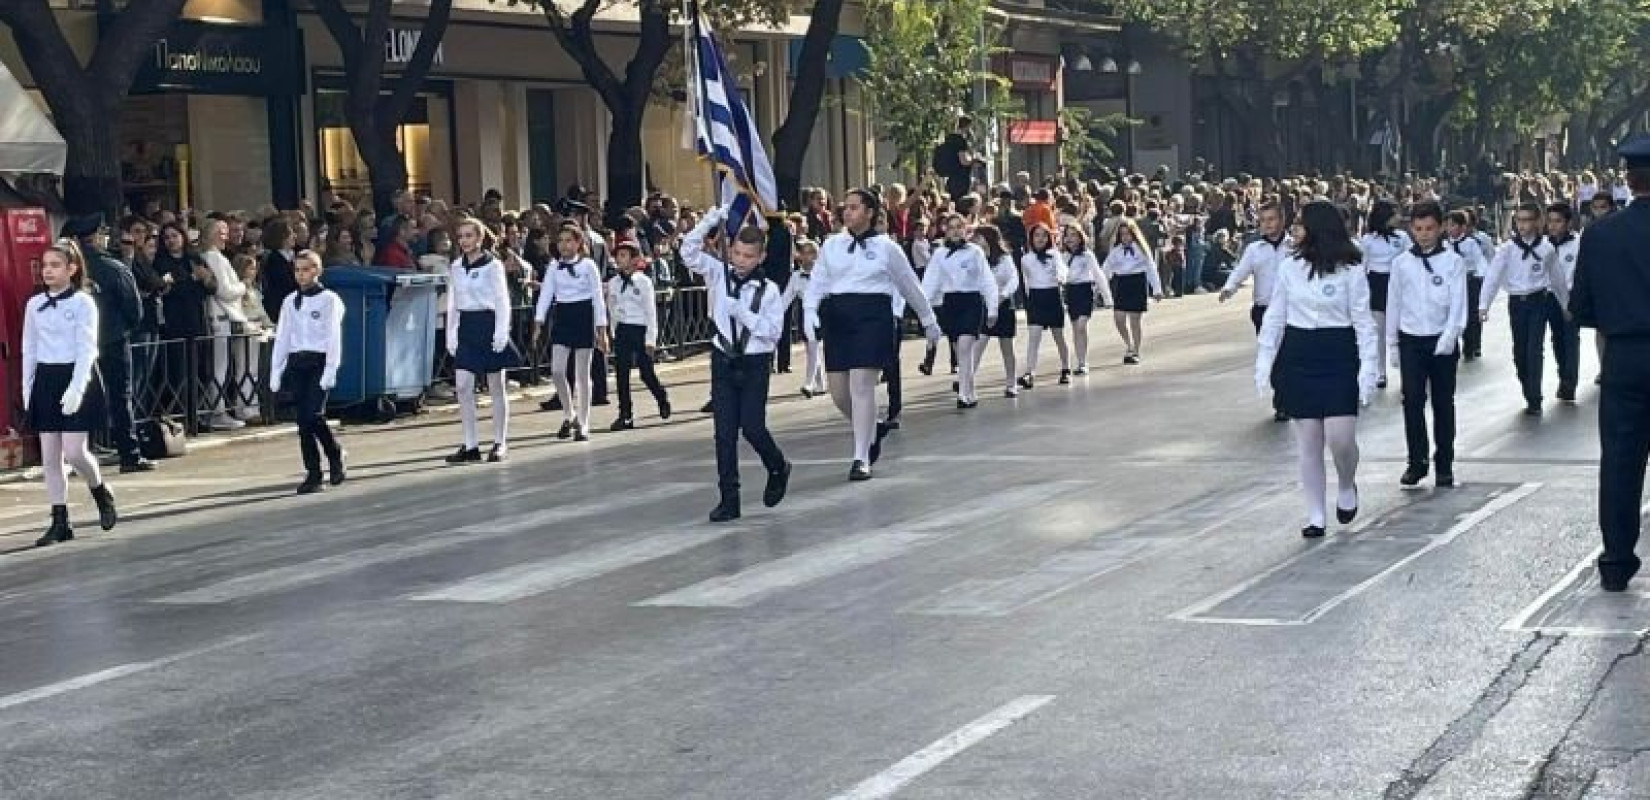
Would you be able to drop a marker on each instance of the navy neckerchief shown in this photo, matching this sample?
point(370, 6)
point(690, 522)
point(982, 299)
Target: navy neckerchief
point(627, 279)
point(1528, 249)
point(469, 266)
point(51, 299)
point(1043, 255)
point(1128, 249)
point(314, 289)
point(569, 267)
point(1274, 243)
point(952, 248)
point(1389, 236)
point(1561, 241)
point(858, 240)
point(1426, 255)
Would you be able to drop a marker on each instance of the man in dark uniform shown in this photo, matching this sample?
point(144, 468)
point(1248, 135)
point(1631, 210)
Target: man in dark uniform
point(120, 313)
point(954, 160)
point(1612, 295)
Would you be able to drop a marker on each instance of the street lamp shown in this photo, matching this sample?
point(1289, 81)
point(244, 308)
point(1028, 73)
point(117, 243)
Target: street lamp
point(1108, 65)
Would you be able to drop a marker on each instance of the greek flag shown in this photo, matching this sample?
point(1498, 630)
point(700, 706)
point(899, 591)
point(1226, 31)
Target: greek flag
point(725, 133)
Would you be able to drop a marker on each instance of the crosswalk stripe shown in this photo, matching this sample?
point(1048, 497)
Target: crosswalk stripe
point(528, 580)
point(113, 673)
point(749, 586)
point(888, 782)
point(294, 575)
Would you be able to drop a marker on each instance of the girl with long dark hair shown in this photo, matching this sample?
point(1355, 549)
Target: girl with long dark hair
point(1382, 242)
point(1319, 334)
point(1045, 273)
point(1008, 282)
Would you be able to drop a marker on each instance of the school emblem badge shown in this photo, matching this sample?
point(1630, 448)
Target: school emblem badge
point(1329, 290)
point(314, 315)
point(1437, 280)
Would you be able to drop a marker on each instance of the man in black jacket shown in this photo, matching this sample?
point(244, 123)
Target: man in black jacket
point(120, 314)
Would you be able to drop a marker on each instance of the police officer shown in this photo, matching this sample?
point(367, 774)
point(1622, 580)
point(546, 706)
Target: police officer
point(1612, 294)
point(120, 313)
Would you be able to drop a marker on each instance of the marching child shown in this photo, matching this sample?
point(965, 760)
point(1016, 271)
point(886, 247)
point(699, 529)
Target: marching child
point(635, 331)
point(308, 346)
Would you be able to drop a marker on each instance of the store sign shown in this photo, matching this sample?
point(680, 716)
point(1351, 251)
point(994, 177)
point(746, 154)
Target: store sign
point(400, 44)
point(1031, 73)
point(207, 58)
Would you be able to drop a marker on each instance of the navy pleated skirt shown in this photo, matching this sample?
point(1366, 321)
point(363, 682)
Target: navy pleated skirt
point(962, 314)
point(573, 325)
point(1316, 373)
point(475, 346)
point(46, 402)
point(1044, 308)
point(859, 331)
point(1378, 282)
point(1079, 300)
point(1130, 292)
point(1006, 322)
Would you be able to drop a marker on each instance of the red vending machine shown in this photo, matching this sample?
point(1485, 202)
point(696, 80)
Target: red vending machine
point(24, 235)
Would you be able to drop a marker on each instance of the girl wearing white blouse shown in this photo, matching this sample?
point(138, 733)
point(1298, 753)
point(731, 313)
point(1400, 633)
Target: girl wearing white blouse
point(813, 375)
point(1319, 334)
point(1045, 271)
point(960, 284)
point(59, 351)
point(1084, 284)
point(851, 299)
point(573, 290)
point(309, 341)
point(1007, 276)
point(1381, 244)
point(1133, 274)
point(478, 338)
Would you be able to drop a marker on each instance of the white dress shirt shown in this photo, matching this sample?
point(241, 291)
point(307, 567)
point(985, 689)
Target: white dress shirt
point(731, 299)
point(1379, 251)
point(1561, 274)
point(1522, 273)
point(572, 282)
point(1428, 297)
point(479, 287)
point(1133, 260)
point(1472, 252)
point(634, 304)
point(1041, 273)
point(872, 265)
point(922, 251)
point(1008, 278)
point(1085, 267)
point(65, 333)
point(1302, 300)
point(317, 326)
point(1261, 259)
point(960, 271)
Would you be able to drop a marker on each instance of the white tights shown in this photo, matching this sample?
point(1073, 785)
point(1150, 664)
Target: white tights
point(813, 377)
point(1035, 341)
point(1128, 327)
point(1380, 339)
point(577, 412)
point(464, 385)
point(1080, 340)
point(1342, 435)
point(967, 364)
point(855, 395)
point(1007, 348)
point(55, 449)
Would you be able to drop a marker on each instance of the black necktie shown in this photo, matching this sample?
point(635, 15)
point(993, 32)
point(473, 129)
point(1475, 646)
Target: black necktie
point(314, 289)
point(1128, 250)
point(51, 299)
point(625, 279)
point(952, 248)
point(1427, 255)
point(1274, 243)
point(1561, 241)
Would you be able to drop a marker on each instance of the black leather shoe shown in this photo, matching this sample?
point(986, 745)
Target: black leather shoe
point(1413, 475)
point(727, 510)
point(1446, 478)
point(1533, 410)
point(623, 424)
point(1346, 515)
point(891, 426)
point(580, 436)
point(311, 485)
point(553, 404)
point(1026, 381)
point(1609, 583)
point(336, 467)
point(107, 517)
point(465, 455)
point(1567, 396)
point(708, 407)
point(860, 471)
point(1312, 531)
point(498, 454)
point(1380, 384)
point(566, 430)
point(664, 409)
point(137, 465)
point(926, 369)
point(778, 483)
point(1065, 377)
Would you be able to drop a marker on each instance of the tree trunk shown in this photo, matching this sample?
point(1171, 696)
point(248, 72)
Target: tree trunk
point(625, 163)
point(790, 142)
point(91, 180)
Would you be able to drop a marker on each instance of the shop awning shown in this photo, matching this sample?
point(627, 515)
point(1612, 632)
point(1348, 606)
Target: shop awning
point(28, 141)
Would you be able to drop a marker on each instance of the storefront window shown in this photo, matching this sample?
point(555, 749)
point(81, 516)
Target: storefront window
point(423, 138)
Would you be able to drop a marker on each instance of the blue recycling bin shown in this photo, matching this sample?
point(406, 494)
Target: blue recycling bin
point(389, 337)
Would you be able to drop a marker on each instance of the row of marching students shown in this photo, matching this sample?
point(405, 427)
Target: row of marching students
point(1332, 315)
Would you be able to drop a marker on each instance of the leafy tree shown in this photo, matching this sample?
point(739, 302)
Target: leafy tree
point(86, 98)
point(1085, 139)
point(374, 114)
point(923, 60)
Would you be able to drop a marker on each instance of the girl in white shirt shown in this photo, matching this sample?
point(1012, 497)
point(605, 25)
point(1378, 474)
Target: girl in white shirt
point(813, 374)
point(960, 285)
point(478, 338)
point(59, 351)
point(1045, 272)
point(1084, 285)
point(573, 290)
point(1383, 243)
point(1008, 282)
point(1132, 271)
point(1317, 351)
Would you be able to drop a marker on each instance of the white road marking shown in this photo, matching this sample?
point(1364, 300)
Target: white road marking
point(1193, 613)
point(539, 577)
point(746, 587)
point(308, 572)
point(1521, 623)
point(886, 783)
point(112, 673)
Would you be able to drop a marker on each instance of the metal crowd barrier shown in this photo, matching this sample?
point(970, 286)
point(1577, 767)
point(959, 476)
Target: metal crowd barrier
point(200, 380)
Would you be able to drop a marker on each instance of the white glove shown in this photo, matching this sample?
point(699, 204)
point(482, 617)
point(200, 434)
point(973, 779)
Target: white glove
point(72, 400)
point(933, 332)
point(499, 343)
point(452, 345)
point(274, 384)
point(328, 381)
point(1263, 385)
point(991, 320)
point(1366, 389)
point(1446, 346)
point(710, 220)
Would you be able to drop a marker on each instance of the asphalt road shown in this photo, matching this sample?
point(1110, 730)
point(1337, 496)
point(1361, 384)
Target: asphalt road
point(1095, 591)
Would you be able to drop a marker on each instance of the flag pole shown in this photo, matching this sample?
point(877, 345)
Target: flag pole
point(691, 32)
